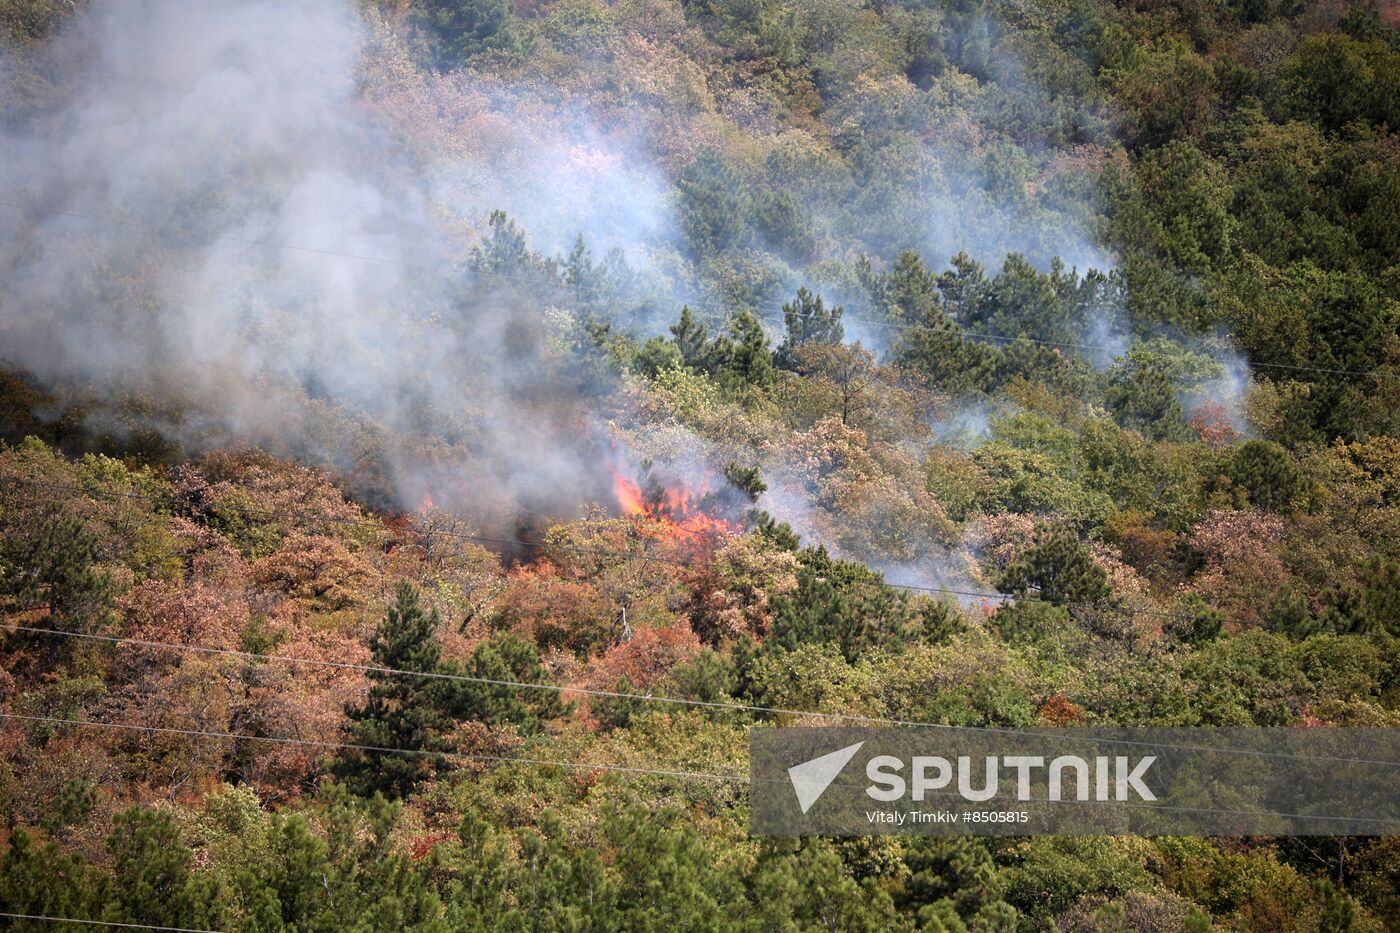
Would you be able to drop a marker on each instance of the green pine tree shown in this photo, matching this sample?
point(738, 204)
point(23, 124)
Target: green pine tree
point(504, 657)
point(464, 28)
point(808, 321)
point(691, 338)
point(40, 880)
point(840, 603)
point(742, 357)
point(54, 564)
point(153, 878)
point(1060, 570)
point(401, 712)
point(1267, 473)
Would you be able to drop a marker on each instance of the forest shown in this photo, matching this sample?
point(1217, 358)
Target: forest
point(433, 433)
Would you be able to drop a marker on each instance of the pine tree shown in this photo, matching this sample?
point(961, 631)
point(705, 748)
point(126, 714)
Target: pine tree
point(468, 27)
point(1268, 474)
point(586, 281)
point(1194, 622)
point(714, 204)
point(371, 879)
point(838, 603)
point(960, 872)
point(808, 321)
point(152, 873)
point(691, 339)
point(1144, 399)
point(953, 364)
point(1060, 569)
point(42, 881)
point(742, 357)
point(910, 291)
point(54, 564)
point(400, 712)
point(504, 657)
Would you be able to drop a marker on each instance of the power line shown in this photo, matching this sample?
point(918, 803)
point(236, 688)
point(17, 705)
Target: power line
point(105, 923)
point(580, 288)
point(269, 517)
point(624, 769)
point(652, 698)
point(381, 749)
point(457, 678)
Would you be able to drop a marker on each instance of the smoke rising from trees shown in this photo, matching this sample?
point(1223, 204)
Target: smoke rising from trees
point(210, 213)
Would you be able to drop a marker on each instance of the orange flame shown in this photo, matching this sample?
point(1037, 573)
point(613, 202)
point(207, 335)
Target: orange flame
point(674, 510)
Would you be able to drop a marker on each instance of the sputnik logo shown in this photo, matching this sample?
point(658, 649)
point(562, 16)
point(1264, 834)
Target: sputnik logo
point(811, 778)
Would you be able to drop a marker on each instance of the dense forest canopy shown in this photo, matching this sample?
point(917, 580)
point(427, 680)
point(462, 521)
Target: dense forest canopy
point(397, 392)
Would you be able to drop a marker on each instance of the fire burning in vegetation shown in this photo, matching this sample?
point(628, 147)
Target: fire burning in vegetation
point(674, 509)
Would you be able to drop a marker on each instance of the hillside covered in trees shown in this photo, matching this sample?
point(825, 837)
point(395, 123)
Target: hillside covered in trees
point(435, 431)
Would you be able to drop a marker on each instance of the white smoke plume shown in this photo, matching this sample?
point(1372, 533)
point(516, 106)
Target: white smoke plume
point(205, 211)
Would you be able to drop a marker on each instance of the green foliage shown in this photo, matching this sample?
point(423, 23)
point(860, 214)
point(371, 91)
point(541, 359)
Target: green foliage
point(1168, 92)
point(415, 714)
point(957, 872)
point(1059, 570)
point(1029, 482)
point(841, 604)
point(41, 880)
point(53, 563)
point(808, 321)
point(616, 712)
point(1334, 80)
point(1048, 874)
point(402, 712)
point(1372, 605)
point(1375, 872)
point(1144, 399)
point(691, 339)
point(506, 659)
point(713, 204)
point(1268, 474)
point(737, 360)
point(953, 364)
point(154, 881)
point(708, 677)
point(1192, 622)
point(742, 357)
point(656, 356)
point(1289, 614)
point(464, 28)
point(746, 479)
point(779, 533)
point(32, 20)
point(1176, 208)
point(335, 867)
point(1028, 621)
point(71, 804)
